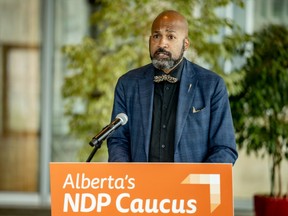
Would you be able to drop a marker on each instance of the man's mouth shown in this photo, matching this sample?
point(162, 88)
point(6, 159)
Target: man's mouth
point(162, 54)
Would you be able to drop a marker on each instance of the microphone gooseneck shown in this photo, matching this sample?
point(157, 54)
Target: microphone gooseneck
point(121, 119)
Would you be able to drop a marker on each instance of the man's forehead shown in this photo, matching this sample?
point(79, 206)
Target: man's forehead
point(167, 26)
point(169, 22)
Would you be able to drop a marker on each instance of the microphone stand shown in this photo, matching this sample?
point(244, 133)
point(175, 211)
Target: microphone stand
point(96, 147)
point(98, 139)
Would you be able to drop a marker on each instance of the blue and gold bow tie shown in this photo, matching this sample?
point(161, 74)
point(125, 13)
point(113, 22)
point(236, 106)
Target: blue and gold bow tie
point(165, 77)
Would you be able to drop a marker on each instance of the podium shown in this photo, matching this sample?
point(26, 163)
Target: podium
point(113, 189)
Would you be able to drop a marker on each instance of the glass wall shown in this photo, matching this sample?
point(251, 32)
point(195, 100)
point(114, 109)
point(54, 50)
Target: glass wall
point(71, 26)
point(270, 11)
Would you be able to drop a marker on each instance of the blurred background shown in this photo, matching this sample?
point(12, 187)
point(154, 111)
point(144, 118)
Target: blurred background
point(60, 59)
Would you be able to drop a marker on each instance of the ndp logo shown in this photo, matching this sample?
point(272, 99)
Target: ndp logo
point(141, 189)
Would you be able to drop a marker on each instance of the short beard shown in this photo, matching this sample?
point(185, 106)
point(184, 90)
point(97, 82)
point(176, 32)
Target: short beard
point(166, 63)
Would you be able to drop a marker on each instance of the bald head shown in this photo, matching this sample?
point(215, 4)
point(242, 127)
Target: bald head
point(172, 19)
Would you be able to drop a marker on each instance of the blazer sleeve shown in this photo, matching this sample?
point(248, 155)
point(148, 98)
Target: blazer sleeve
point(222, 145)
point(118, 142)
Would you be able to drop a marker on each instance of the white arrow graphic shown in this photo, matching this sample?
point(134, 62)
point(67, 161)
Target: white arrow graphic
point(213, 180)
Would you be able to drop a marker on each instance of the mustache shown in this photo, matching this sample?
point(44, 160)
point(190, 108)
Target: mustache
point(163, 51)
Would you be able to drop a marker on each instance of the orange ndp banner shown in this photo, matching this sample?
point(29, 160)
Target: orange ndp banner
point(113, 189)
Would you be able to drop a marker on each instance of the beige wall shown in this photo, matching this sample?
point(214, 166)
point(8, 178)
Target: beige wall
point(251, 175)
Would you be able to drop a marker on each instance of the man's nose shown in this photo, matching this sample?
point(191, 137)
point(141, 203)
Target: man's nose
point(163, 42)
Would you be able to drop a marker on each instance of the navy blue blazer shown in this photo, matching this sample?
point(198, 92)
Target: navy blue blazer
point(204, 127)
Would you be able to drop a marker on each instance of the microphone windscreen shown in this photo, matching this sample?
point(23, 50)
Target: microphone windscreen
point(123, 118)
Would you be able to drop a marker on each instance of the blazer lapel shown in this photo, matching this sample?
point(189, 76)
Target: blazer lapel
point(186, 95)
point(146, 94)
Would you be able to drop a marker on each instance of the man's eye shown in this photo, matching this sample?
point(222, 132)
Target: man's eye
point(156, 36)
point(171, 37)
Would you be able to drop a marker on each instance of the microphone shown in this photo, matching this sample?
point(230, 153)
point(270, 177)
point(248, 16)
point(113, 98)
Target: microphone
point(121, 119)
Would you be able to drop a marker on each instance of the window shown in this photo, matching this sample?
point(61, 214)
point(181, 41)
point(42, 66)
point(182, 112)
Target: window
point(20, 95)
point(278, 8)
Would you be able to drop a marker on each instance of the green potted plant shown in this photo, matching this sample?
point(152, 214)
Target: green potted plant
point(260, 112)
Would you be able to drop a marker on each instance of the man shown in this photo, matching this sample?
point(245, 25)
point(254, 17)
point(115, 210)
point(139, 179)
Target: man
point(183, 116)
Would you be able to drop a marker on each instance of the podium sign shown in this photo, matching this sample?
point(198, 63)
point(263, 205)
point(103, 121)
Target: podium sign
point(141, 189)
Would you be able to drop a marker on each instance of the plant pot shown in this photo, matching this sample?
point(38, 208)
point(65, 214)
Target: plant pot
point(265, 205)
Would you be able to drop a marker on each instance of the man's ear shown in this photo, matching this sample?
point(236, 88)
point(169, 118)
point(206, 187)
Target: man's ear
point(186, 43)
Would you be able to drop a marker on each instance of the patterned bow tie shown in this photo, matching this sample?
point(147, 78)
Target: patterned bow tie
point(165, 77)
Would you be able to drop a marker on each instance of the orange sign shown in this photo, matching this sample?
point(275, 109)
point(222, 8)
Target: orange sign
point(113, 189)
